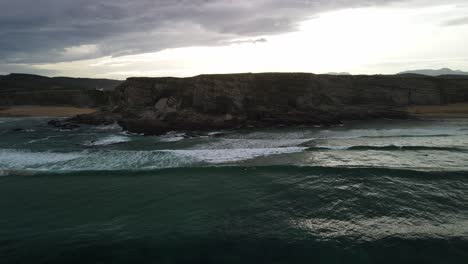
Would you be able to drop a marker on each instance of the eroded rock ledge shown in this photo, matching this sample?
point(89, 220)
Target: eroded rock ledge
point(206, 102)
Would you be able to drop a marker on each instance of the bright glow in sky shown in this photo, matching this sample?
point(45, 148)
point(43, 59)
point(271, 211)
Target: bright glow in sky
point(369, 40)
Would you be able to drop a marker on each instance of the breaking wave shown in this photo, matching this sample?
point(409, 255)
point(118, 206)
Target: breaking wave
point(387, 148)
point(129, 160)
point(110, 140)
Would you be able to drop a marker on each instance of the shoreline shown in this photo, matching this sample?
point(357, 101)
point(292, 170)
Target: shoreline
point(459, 110)
point(43, 111)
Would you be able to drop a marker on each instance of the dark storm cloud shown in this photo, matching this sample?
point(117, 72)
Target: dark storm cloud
point(33, 31)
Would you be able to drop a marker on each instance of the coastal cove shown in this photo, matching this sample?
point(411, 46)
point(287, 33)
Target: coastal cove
point(233, 132)
point(251, 168)
point(236, 168)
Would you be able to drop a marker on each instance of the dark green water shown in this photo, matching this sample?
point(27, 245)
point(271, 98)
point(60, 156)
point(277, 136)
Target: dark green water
point(380, 192)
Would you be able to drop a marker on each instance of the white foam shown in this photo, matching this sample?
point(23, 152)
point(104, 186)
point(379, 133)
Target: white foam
point(229, 143)
point(332, 147)
point(127, 133)
point(9, 119)
point(121, 160)
point(110, 140)
point(40, 139)
point(216, 156)
point(358, 133)
point(381, 227)
point(216, 133)
point(17, 159)
point(114, 126)
point(129, 160)
point(171, 139)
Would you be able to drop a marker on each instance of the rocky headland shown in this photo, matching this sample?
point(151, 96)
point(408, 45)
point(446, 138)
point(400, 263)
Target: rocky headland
point(206, 102)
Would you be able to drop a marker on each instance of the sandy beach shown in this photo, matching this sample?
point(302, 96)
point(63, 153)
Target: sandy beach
point(420, 111)
point(439, 111)
point(43, 111)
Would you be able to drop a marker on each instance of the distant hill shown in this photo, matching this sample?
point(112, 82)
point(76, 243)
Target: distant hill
point(443, 71)
point(19, 81)
point(28, 89)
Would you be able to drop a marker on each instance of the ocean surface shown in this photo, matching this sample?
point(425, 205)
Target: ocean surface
point(366, 192)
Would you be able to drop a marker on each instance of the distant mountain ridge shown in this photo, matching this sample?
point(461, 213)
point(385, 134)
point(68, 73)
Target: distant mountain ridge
point(440, 72)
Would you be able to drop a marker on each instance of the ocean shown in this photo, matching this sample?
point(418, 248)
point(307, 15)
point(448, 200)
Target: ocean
point(387, 191)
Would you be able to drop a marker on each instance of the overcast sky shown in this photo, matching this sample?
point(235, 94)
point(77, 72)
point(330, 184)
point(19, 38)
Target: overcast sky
point(122, 38)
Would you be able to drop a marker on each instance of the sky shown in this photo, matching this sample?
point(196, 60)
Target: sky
point(120, 38)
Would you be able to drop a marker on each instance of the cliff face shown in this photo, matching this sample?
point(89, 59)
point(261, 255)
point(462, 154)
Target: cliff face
point(158, 105)
point(26, 89)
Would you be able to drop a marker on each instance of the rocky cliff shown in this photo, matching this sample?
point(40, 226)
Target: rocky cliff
point(26, 89)
point(158, 105)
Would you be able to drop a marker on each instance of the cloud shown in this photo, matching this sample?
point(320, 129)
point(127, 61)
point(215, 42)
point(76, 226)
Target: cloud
point(251, 41)
point(49, 31)
point(456, 22)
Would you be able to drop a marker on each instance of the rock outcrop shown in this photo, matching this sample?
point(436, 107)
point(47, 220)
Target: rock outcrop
point(159, 105)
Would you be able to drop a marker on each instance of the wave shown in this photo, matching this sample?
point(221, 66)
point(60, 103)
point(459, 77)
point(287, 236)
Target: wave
point(133, 160)
point(216, 156)
point(255, 143)
point(284, 170)
point(389, 136)
point(422, 135)
point(18, 159)
point(136, 160)
point(172, 137)
point(382, 227)
point(387, 148)
point(41, 139)
point(111, 127)
point(433, 131)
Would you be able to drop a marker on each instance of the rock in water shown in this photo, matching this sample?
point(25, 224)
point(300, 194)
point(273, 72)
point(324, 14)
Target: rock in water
point(63, 124)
